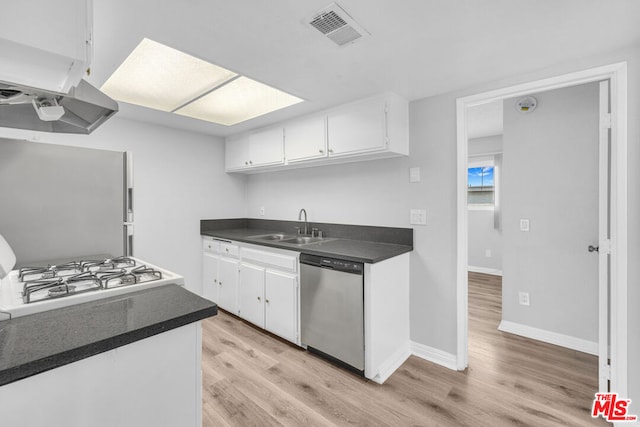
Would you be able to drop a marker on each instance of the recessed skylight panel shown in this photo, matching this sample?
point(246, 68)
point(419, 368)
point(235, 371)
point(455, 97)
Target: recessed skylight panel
point(159, 77)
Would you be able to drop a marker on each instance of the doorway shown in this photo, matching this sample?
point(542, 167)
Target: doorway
point(617, 259)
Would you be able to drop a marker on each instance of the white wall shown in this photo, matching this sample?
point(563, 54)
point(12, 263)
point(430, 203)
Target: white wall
point(179, 179)
point(550, 176)
point(484, 237)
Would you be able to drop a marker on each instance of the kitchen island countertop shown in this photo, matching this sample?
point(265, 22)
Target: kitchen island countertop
point(39, 342)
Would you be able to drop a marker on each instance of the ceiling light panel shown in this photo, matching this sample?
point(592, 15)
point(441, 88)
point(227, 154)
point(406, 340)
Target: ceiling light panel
point(239, 100)
point(163, 78)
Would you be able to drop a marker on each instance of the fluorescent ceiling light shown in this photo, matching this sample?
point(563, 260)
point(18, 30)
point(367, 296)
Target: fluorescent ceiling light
point(166, 79)
point(239, 100)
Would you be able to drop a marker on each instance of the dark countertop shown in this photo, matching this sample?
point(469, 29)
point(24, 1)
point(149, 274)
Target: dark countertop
point(39, 342)
point(347, 249)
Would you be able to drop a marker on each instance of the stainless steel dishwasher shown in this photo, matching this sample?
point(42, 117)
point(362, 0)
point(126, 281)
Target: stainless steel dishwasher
point(332, 309)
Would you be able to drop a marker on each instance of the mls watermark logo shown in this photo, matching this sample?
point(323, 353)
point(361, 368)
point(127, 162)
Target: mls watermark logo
point(611, 408)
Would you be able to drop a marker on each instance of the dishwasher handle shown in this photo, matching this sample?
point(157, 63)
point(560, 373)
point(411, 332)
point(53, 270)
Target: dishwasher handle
point(344, 266)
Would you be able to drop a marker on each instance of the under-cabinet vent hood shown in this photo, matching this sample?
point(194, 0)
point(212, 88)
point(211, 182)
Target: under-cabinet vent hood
point(82, 110)
point(337, 25)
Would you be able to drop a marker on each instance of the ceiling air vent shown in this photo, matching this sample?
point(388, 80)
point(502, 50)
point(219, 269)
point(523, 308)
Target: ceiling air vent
point(337, 25)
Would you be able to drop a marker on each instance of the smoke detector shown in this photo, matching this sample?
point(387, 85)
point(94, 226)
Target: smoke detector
point(337, 25)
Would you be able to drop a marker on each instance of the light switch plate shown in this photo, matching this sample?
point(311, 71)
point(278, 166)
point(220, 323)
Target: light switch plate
point(524, 225)
point(418, 217)
point(414, 174)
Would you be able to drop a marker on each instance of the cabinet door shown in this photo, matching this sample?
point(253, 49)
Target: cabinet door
point(357, 128)
point(228, 284)
point(251, 294)
point(210, 276)
point(266, 147)
point(236, 152)
point(281, 297)
point(305, 139)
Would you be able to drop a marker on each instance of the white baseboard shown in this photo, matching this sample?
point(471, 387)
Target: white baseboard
point(485, 270)
point(434, 355)
point(555, 338)
point(392, 363)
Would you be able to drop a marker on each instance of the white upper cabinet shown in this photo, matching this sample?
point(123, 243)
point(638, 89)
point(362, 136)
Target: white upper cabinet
point(373, 128)
point(357, 128)
point(260, 148)
point(305, 139)
point(236, 154)
point(46, 44)
point(266, 147)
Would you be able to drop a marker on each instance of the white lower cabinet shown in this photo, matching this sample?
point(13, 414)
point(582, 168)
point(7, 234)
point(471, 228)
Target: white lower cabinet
point(257, 283)
point(220, 273)
point(210, 276)
point(228, 284)
point(251, 294)
point(281, 304)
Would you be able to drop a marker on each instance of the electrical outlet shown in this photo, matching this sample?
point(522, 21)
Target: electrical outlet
point(487, 253)
point(261, 210)
point(414, 174)
point(418, 216)
point(524, 225)
point(524, 298)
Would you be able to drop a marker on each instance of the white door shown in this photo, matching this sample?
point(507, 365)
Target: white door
point(280, 304)
point(251, 294)
point(604, 242)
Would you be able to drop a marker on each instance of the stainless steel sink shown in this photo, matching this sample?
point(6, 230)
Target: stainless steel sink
point(278, 236)
point(304, 240)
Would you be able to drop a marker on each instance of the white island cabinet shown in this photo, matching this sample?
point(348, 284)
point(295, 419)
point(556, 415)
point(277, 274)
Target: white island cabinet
point(148, 383)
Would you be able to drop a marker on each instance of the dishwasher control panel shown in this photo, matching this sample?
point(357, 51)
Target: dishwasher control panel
point(333, 263)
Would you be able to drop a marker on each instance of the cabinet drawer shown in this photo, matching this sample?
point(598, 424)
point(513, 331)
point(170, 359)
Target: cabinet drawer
point(229, 249)
point(210, 245)
point(286, 262)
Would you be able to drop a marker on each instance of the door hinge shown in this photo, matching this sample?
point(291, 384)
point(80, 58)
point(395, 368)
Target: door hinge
point(606, 120)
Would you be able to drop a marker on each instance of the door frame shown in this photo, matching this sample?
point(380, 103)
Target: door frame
point(617, 75)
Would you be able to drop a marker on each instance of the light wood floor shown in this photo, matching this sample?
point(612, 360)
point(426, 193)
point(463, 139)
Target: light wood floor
point(254, 379)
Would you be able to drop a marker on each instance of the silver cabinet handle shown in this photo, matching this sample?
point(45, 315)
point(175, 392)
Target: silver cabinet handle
point(258, 298)
point(267, 301)
point(250, 162)
point(321, 151)
point(594, 248)
point(220, 283)
point(330, 150)
point(215, 280)
point(246, 163)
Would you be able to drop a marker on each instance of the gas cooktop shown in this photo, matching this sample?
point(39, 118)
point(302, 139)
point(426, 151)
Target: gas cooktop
point(31, 290)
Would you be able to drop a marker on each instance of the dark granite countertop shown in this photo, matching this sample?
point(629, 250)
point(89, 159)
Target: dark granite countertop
point(351, 249)
point(43, 341)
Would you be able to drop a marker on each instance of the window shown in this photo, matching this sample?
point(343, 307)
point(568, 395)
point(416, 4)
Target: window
point(480, 185)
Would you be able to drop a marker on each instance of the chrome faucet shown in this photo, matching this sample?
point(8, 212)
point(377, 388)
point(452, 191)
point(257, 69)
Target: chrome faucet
point(306, 224)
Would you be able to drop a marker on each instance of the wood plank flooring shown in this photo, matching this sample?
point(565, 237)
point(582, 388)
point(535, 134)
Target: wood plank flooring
point(254, 379)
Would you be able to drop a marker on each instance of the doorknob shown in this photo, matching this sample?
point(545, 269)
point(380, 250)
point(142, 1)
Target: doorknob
point(594, 248)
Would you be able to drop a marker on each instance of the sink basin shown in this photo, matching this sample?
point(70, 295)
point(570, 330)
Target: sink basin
point(271, 237)
point(303, 240)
